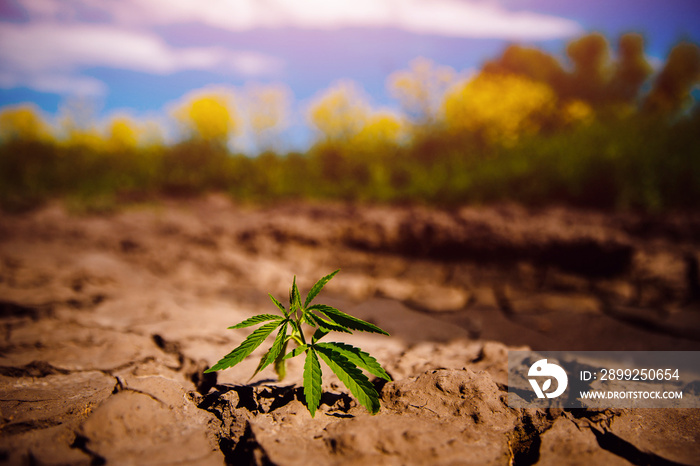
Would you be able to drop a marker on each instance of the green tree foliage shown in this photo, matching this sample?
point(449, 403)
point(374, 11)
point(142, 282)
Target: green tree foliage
point(356, 141)
point(23, 123)
point(631, 70)
point(531, 63)
point(208, 117)
point(590, 56)
point(671, 89)
point(595, 129)
point(594, 77)
point(499, 108)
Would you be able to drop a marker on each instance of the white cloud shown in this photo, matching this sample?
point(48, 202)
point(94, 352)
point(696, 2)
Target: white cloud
point(458, 18)
point(49, 56)
point(44, 8)
point(65, 37)
point(66, 84)
point(254, 64)
point(482, 20)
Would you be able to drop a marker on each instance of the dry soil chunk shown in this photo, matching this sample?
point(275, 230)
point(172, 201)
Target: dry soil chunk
point(151, 419)
point(565, 443)
point(40, 414)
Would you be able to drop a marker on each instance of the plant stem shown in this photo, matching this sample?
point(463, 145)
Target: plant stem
point(297, 334)
point(297, 340)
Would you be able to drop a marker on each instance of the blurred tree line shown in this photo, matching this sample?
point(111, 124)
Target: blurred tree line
point(599, 129)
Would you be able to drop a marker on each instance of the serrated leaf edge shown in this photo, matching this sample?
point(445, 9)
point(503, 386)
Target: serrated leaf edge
point(339, 316)
point(352, 377)
point(256, 320)
point(327, 325)
point(279, 305)
point(296, 352)
point(249, 345)
point(312, 381)
point(318, 286)
point(359, 358)
point(274, 350)
point(294, 297)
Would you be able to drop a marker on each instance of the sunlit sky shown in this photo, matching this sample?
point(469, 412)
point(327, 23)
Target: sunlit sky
point(139, 56)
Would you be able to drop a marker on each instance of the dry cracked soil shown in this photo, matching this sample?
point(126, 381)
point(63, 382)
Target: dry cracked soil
point(107, 323)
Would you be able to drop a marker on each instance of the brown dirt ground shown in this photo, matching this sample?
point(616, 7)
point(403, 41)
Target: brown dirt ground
point(108, 321)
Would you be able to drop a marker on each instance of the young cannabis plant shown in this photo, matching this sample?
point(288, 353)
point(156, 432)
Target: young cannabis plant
point(343, 359)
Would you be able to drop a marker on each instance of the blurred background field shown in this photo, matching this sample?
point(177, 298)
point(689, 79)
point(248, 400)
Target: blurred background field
point(595, 125)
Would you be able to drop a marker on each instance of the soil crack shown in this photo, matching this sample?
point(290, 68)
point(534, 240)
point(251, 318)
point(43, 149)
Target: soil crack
point(80, 443)
point(33, 369)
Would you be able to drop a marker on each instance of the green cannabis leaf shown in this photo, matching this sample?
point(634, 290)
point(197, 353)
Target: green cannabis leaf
point(346, 361)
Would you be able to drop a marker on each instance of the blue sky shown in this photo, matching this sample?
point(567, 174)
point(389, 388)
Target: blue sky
point(141, 56)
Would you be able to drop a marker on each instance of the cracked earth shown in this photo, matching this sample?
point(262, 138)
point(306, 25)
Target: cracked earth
point(108, 322)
